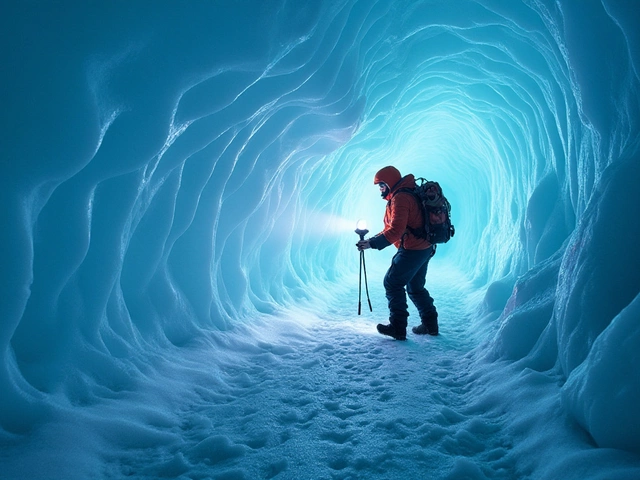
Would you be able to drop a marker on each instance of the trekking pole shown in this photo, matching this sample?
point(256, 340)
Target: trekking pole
point(364, 267)
point(360, 283)
point(362, 231)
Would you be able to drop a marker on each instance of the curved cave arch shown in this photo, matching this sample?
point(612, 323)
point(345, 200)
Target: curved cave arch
point(210, 163)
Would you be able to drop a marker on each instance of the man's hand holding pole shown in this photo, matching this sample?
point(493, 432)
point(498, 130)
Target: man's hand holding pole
point(363, 245)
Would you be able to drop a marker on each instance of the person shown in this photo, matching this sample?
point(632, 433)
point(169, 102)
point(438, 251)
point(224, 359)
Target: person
point(409, 265)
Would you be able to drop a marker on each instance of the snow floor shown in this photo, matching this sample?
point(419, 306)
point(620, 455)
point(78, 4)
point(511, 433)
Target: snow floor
point(300, 396)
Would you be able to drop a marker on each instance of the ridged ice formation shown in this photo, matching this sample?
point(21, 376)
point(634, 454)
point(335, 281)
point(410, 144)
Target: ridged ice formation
point(165, 171)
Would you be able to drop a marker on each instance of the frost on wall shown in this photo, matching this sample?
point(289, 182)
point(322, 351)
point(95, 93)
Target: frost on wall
point(172, 171)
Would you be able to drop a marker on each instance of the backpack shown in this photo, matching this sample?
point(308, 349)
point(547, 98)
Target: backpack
point(436, 211)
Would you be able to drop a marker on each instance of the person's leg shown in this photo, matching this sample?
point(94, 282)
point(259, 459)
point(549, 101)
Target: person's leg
point(418, 294)
point(423, 301)
point(404, 266)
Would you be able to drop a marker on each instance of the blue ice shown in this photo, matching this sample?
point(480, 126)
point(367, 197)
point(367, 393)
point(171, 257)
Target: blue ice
point(180, 184)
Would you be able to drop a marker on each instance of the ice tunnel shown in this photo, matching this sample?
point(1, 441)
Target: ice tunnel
point(174, 170)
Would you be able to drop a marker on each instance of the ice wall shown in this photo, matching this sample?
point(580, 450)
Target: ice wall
point(170, 169)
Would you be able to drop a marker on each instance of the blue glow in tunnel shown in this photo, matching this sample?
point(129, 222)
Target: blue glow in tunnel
point(174, 176)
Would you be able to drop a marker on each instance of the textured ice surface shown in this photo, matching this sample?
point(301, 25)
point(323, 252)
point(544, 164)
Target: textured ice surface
point(179, 188)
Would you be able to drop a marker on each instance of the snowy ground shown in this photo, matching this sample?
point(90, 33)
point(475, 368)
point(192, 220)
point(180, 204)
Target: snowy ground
point(302, 397)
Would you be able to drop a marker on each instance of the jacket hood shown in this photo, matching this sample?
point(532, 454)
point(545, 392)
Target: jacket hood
point(408, 181)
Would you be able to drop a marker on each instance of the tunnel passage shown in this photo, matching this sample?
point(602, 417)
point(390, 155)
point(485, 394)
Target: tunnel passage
point(178, 172)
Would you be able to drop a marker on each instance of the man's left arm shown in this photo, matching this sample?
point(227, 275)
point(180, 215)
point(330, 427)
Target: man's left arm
point(378, 242)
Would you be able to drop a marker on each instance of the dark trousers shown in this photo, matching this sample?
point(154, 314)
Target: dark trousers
point(408, 269)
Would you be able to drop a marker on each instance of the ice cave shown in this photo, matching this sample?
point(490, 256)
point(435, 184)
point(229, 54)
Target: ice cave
point(179, 282)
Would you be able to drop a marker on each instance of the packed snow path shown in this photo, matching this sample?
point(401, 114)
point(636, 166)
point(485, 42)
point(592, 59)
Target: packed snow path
point(303, 397)
point(331, 399)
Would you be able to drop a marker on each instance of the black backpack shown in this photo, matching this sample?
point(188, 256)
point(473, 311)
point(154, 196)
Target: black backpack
point(436, 211)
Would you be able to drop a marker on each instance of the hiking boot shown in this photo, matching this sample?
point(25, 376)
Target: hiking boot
point(422, 329)
point(391, 331)
point(429, 326)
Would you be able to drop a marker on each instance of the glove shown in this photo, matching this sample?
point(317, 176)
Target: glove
point(363, 245)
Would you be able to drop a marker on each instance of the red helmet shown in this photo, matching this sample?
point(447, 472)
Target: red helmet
point(389, 175)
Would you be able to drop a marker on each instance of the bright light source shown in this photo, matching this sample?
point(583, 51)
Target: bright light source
point(361, 225)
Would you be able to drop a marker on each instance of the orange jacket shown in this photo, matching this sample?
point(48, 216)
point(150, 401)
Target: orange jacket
point(402, 211)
